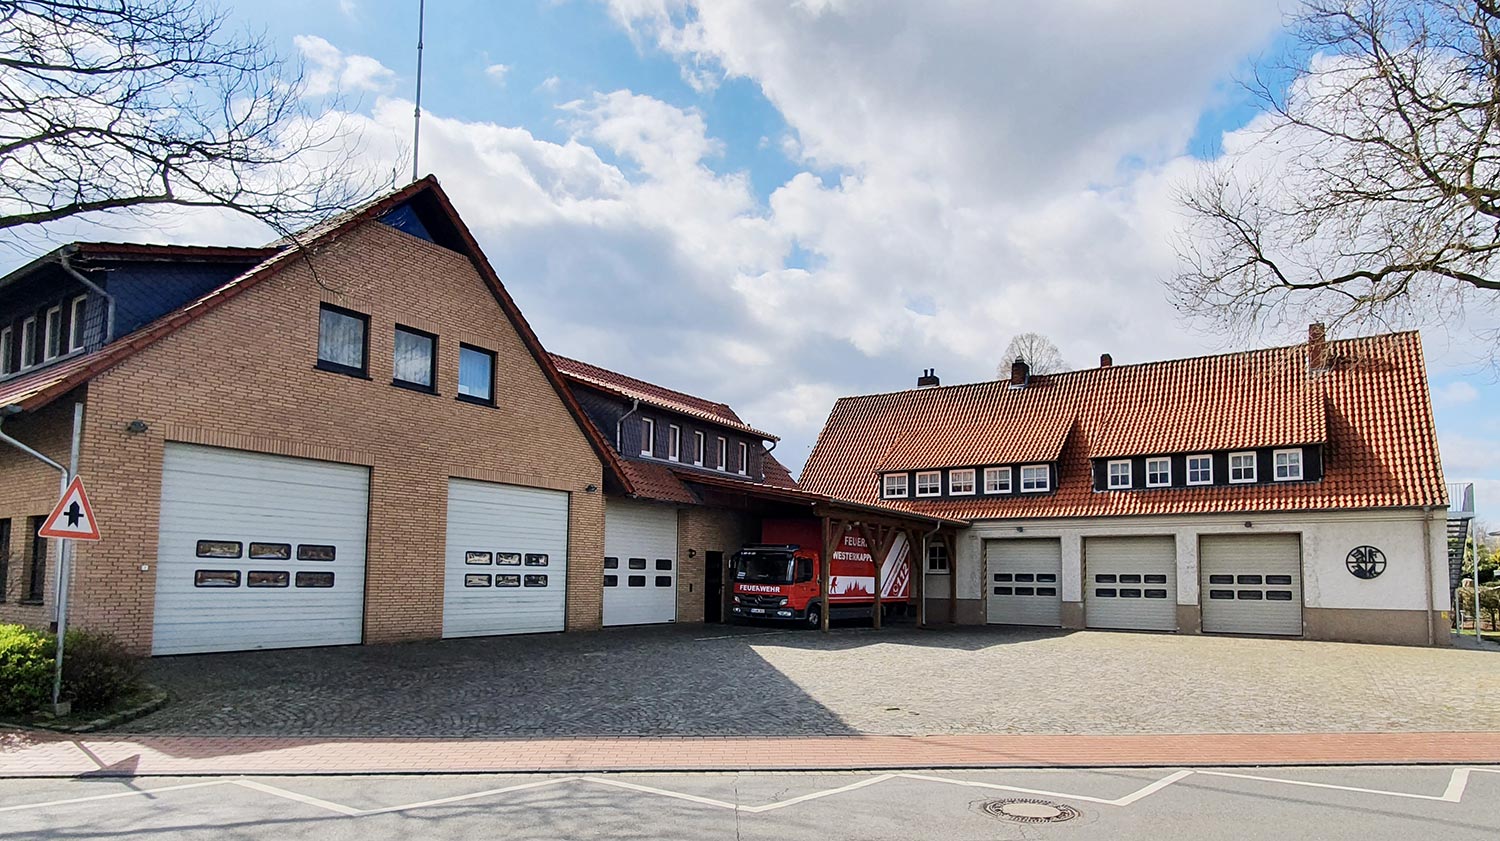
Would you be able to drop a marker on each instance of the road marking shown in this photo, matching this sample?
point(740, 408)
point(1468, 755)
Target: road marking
point(782, 804)
point(441, 801)
point(676, 795)
point(337, 808)
point(1123, 801)
point(132, 793)
point(1454, 793)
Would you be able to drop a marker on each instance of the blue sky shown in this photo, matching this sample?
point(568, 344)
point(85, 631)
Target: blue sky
point(774, 202)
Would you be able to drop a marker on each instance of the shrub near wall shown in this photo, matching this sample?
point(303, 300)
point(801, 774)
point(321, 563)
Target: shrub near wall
point(25, 669)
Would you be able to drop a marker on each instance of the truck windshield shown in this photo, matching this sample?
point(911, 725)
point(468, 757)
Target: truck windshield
point(763, 568)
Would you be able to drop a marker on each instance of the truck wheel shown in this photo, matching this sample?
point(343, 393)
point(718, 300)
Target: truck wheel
point(815, 617)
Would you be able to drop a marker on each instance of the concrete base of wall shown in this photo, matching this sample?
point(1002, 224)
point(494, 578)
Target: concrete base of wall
point(1189, 619)
point(1072, 615)
point(1386, 627)
point(970, 612)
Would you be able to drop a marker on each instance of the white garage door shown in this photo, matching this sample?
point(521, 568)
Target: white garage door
point(506, 565)
point(1023, 588)
point(640, 567)
point(1252, 584)
point(1130, 583)
point(258, 551)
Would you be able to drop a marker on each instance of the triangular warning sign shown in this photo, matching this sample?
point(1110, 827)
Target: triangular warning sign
point(72, 519)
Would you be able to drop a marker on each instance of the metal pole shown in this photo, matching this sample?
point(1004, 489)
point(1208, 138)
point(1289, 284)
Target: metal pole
point(416, 131)
point(64, 563)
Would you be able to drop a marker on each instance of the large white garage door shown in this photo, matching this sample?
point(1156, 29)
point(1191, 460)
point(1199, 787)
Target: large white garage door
point(1252, 584)
point(506, 565)
point(640, 567)
point(1022, 577)
point(258, 551)
point(1130, 583)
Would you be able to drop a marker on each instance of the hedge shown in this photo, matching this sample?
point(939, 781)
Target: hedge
point(97, 670)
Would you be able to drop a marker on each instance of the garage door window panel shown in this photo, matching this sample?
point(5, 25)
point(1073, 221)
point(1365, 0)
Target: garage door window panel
point(315, 580)
point(343, 340)
point(476, 579)
point(216, 578)
point(508, 580)
point(507, 559)
point(478, 558)
point(270, 551)
point(317, 552)
point(536, 560)
point(636, 581)
point(416, 360)
point(220, 549)
point(268, 578)
point(476, 375)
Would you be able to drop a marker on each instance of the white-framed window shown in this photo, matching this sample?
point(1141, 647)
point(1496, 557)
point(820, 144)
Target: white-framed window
point(77, 311)
point(961, 482)
point(997, 480)
point(1035, 478)
point(28, 343)
point(930, 483)
point(648, 437)
point(937, 558)
point(1158, 472)
point(893, 486)
point(7, 347)
point(744, 458)
point(1241, 468)
point(699, 445)
point(723, 454)
point(674, 442)
point(1288, 465)
point(52, 348)
point(1119, 473)
point(1200, 470)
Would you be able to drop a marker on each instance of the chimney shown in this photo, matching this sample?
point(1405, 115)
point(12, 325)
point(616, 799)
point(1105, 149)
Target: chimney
point(1020, 373)
point(928, 379)
point(1317, 347)
point(1105, 360)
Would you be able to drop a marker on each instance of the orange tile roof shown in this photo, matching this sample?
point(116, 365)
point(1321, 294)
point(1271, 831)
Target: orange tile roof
point(1371, 410)
point(655, 395)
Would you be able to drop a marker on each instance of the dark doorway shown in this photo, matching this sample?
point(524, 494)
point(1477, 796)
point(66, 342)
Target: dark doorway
point(713, 588)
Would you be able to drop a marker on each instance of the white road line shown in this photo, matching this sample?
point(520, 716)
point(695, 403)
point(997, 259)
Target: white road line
point(337, 808)
point(441, 801)
point(1153, 788)
point(133, 793)
point(1131, 798)
point(676, 795)
point(782, 804)
point(1453, 794)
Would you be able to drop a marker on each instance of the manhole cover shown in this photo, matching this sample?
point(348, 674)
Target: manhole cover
point(1022, 810)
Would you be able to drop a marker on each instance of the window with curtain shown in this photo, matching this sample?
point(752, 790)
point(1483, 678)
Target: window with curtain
point(416, 358)
point(476, 374)
point(341, 340)
point(36, 576)
point(4, 556)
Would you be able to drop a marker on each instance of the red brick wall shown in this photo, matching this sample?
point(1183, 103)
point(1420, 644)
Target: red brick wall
point(29, 488)
point(705, 530)
point(243, 377)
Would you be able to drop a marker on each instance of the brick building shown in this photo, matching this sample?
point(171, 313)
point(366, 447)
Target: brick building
point(359, 440)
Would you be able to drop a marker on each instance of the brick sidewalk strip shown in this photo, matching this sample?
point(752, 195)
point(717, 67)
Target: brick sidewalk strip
point(31, 754)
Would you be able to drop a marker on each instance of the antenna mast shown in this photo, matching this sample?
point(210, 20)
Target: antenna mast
point(416, 129)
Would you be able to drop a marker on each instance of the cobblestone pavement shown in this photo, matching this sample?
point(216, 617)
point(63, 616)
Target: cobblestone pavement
point(697, 680)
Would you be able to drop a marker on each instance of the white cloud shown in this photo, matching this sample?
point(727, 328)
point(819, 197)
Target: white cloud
point(348, 8)
point(330, 70)
point(1456, 393)
point(497, 73)
point(550, 84)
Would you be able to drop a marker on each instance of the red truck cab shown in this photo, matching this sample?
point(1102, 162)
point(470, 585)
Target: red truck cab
point(779, 579)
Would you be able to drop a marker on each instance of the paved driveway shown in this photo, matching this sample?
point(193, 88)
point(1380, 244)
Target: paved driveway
point(697, 680)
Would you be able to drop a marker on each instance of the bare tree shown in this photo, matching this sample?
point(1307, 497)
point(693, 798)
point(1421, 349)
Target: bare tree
point(1372, 191)
point(1038, 351)
point(126, 105)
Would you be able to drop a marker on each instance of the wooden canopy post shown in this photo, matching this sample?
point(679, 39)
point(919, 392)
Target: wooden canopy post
point(917, 573)
point(878, 542)
point(825, 567)
point(948, 543)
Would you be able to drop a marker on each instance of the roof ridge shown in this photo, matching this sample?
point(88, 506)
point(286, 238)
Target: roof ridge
point(705, 400)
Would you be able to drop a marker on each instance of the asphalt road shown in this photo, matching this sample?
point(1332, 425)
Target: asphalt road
point(1359, 804)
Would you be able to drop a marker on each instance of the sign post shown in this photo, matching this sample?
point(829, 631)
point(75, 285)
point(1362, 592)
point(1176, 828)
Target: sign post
point(71, 519)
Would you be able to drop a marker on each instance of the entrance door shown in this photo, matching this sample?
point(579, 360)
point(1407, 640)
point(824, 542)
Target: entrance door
point(713, 587)
point(1022, 576)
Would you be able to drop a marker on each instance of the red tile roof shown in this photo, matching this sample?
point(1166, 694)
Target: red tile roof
point(654, 395)
point(32, 391)
point(803, 497)
point(1371, 411)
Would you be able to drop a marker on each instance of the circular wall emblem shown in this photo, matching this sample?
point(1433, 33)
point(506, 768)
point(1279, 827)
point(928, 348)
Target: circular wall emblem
point(1026, 810)
point(1365, 562)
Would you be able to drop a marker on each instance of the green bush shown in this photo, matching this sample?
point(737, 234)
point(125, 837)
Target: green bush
point(98, 671)
point(25, 669)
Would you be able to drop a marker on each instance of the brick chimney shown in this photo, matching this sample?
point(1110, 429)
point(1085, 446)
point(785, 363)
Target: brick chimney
point(1317, 347)
point(928, 379)
point(1105, 360)
point(1020, 373)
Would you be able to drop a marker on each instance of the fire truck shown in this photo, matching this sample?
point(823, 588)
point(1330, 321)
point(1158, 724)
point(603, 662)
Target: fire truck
point(778, 578)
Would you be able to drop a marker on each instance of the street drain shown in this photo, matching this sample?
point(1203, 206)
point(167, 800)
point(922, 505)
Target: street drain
point(1022, 810)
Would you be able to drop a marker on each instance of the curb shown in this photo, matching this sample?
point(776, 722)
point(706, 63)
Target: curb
point(157, 700)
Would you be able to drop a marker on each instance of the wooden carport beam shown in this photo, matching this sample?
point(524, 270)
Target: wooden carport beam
point(825, 564)
point(878, 542)
point(951, 546)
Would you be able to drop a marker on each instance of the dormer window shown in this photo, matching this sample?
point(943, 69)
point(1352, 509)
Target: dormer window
point(7, 347)
point(930, 483)
point(1200, 470)
point(1119, 474)
point(674, 442)
point(76, 312)
point(1158, 472)
point(894, 486)
point(1035, 478)
point(744, 459)
point(53, 346)
point(723, 455)
point(1288, 465)
point(997, 480)
point(28, 343)
point(961, 482)
point(648, 437)
point(699, 446)
point(1241, 468)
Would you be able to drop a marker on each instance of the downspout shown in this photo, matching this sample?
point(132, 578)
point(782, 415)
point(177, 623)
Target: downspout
point(635, 406)
point(1427, 551)
point(109, 318)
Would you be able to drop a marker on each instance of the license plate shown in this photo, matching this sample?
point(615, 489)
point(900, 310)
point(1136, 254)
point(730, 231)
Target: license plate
point(757, 610)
